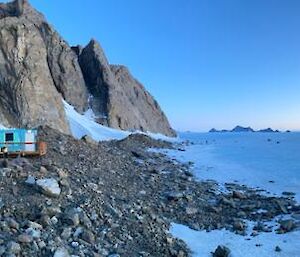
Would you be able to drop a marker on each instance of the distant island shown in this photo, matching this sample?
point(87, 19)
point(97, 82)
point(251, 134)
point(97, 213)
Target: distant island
point(244, 129)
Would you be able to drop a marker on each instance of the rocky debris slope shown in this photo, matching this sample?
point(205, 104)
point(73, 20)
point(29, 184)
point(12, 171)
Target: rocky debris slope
point(117, 199)
point(38, 69)
point(119, 99)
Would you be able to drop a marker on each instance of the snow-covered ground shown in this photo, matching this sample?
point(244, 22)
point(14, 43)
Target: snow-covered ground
point(202, 243)
point(270, 161)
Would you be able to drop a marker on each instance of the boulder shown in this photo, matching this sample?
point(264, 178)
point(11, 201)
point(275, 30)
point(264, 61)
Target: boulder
point(25, 239)
point(221, 251)
point(61, 252)
point(49, 187)
point(287, 225)
point(89, 140)
point(13, 247)
point(238, 195)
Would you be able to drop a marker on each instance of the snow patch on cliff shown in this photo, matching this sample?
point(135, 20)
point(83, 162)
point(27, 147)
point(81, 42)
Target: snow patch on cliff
point(84, 124)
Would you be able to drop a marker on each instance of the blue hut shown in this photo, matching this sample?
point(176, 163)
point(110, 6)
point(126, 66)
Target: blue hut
point(19, 141)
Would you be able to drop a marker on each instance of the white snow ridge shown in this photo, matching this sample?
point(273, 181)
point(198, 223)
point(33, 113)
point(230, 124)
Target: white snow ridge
point(82, 125)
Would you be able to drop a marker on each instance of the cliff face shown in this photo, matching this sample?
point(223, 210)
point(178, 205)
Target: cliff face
point(38, 69)
point(28, 96)
point(132, 107)
point(118, 98)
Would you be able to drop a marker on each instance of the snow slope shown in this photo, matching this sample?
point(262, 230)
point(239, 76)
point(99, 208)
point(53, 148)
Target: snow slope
point(82, 125)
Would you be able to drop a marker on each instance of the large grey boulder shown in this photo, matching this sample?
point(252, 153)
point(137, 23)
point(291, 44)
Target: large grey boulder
point(118, 98)
point(49, 187)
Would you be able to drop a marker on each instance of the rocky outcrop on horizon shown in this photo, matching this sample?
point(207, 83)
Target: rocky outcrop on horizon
point(268, 130)
point(38, 69)
point(244, 129)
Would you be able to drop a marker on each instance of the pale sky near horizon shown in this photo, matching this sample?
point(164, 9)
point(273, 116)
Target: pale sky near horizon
point(208, 63)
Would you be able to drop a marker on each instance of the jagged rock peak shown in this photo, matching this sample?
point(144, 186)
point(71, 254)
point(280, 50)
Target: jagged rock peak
point(38, 69)
point(118, 97)
point(20, 8)
point(95, 48)
point(11, 9)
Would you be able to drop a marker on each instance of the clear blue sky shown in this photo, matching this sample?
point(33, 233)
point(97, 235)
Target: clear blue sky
point(209, 63)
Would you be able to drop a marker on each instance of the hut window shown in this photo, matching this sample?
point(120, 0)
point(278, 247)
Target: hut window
point(9, 137)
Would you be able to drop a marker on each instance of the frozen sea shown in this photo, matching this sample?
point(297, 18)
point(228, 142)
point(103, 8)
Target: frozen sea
point(269, 161)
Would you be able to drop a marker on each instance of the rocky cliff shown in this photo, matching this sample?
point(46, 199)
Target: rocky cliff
point(117, 97)
point(38, 69)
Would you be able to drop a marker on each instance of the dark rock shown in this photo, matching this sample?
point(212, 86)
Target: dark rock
point(89, 140)
point(267, 130)
point(289, 194)
point(238, 195)
point(174, 196)
point(4, 163)
point(281, 206)
point(242, 129)
point(213, 130)
point(88, 236)
point(239, 225)
point(136, 154)
point(71, 217)
point(221, 251)
point(277, 249)
point(287, 225)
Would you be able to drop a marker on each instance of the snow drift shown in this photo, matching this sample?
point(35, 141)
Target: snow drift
point(85, 124)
